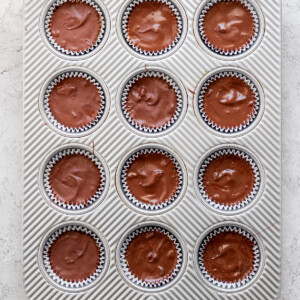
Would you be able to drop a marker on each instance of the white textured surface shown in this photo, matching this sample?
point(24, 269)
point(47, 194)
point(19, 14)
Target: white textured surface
point(11, 148)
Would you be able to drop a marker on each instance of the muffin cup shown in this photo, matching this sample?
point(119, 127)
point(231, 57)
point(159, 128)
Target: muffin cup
point(152, 74)
point(248, 199)
point(257, 186)
point(65, 52)
point(47, 270)
point(210, 122)
point(50, 88)
point(229, 286)
point(253, 84)
point(55, 79)
point(123, 18)
point(222, 51)
point(54, 157)
point(123, 265)
point(138, 205)
point(258, 22)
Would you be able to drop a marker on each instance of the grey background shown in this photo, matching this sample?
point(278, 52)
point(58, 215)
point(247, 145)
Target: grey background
point(11, 135)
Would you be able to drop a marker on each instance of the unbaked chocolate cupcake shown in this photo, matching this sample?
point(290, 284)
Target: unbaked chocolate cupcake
point(151, 179)
point(228, 265)
point(228, 102)
point(152, 102)
point(152, 27)
point(229, 257)
point(74, 256)
point(151, 257)
point(228, 27)
point(75, 102)
point(228, 179)
point(75, 27)
point(74, 179)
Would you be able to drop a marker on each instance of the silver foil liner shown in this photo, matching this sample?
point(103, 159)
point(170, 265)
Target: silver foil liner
point(153, 74)
point(212, 124)
point(125, 19)
point(57, 157)
point(244, 202)
point(57, 80)
point(124, 263)
point(256, 260)
point(139, 203)
point(47, 264)
point(224, 52)
point(52, 41)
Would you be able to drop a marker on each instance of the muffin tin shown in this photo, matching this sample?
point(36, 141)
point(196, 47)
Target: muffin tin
point(190, 140)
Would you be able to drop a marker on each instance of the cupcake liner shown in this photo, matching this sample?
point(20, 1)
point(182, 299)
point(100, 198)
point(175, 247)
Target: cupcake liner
point(51, 40)
point(49, 89)
point(256, 261)
point(124, 264)
point(203, 90)
point(124, 25)
point(139, 203)
point(153, 74)
point(223, 52)
point(57, 157)
point(46, 260)
point(248, 199)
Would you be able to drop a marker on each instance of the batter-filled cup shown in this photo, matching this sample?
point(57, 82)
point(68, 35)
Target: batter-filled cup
point(74, 103)
point(75, 28)
point(152, 102)
point(150, 257)
point(151, 179)
point(152, 27)
point(74, 179)
point(229, 258)
point(228, 179)
point(229, 27)
point(229, 102)
point(74, 257)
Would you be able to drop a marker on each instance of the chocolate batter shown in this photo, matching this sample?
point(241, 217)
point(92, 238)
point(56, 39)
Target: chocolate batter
point(74, 256)
point(75, 26)
point(152, 256)
point(229, 102)
point(152, 178)
point(228, 179)
point(228, 257)
point(151, 102)
point(75, 102)
point(74, 179)
point(152, 26)
point(229, 25)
